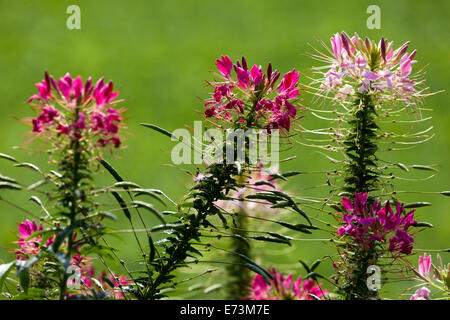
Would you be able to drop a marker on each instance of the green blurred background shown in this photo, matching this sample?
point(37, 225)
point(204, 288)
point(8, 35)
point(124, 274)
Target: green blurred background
point(158, 53)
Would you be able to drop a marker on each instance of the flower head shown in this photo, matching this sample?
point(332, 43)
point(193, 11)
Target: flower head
point(30, 244)
point(375, 224)
point(421, 294)
point(281, 288)
point(359, 65)
point(249, 100)
point(70, 109)
point(425, 265)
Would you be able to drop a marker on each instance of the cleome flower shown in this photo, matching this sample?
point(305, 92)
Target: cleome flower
point(421, 294)
point(432, 275)
point(375, 225)
point(70, 108)
point(30, 244)
point(251, 98)
point(282, 288)
point(363, 66)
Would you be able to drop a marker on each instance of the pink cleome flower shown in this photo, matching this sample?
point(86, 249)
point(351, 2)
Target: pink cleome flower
point(374, 225)
point(425, 265)
point(358, 65)
point(250, 99)
point(30, 245)
point(95, 116)
point(282, 288)
point(421, 294)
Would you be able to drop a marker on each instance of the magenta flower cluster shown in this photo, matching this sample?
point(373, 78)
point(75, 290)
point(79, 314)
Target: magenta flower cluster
point(84, 109)
point(363, 66)
point(282, 288)
point(30, 244)
point(247, 99)
point(377, 224)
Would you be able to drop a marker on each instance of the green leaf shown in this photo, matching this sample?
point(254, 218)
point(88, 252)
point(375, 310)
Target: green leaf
point(269, 239)
point(122, 204)
point(37, 184)
point(267, 183)
point(290, 173)
point(7, 157)
point(167, 226)
point(421, 167)
point(160, 130)
point(9, 185)
point(422, 224)
point(213, 288)
point(315, 264)
point(402, 166)
point(259, 271)
point(7, 179)
point(279, 236)
point(148, 192)
point(196, 286)
point(151, 208)
point(305, 266)
point(250, 261)
point(125, 184)
point(417, 205)
point(277, 176)
point(111, 170)
point(4, 271)
point(108, 215)
point(297, 227)
point(29, 166)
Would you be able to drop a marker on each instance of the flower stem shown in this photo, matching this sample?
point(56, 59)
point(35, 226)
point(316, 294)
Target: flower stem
point(361, 177)
point(238, 274)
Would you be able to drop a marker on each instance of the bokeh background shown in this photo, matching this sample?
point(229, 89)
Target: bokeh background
point(159, 53)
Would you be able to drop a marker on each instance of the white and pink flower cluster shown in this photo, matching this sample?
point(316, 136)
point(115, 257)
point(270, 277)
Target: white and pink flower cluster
point(362, 66)
point(250, 98)
point(72, 108)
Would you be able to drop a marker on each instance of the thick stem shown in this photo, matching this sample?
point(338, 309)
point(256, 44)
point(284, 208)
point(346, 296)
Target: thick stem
point(71, 165)
point(361, 177)
point(360, 148)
